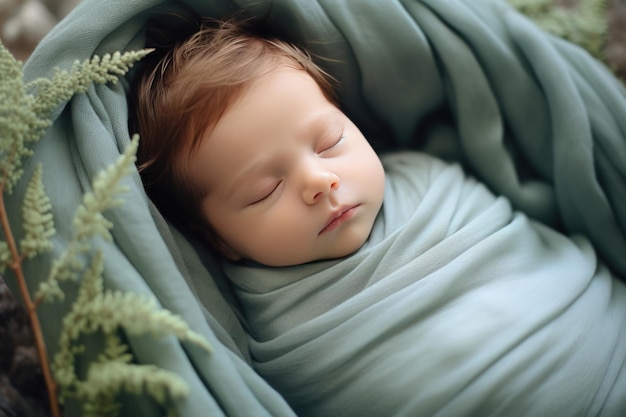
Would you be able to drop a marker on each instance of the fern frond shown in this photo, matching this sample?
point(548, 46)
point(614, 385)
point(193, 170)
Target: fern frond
point(25, 108)
point(50, 291)
point(109, 378)
point(37, 217)
point(115, 350)
point(101, 406)
point(19, 124)
point(73, 324)
point(24, 116)
point(91, 286)
point(105, 380)
point(63, 85)
point(89, 221)
point(10, 69)
point(137, 314)
point(106, 312)
point(65, 268)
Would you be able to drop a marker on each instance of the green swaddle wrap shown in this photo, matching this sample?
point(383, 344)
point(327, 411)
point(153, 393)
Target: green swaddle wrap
point(535, 118)
point(455, 306)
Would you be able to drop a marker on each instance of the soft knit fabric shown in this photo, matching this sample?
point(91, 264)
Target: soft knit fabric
point(455, 306)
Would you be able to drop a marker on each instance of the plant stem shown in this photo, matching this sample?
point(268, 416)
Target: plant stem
point(35, 325)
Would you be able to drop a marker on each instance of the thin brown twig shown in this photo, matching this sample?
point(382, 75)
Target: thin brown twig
point(30, 308)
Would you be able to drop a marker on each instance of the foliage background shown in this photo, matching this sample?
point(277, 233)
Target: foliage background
point(24, 23)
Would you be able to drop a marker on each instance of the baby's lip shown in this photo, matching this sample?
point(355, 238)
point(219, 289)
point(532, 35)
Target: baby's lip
point(338, 216)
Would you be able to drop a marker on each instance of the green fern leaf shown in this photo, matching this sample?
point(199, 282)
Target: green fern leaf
point(63, 85)
point(107, 312)
point(107, 379)
point(19, 124)
point(25, 108)
point(98, 311)
point(115, 350)
point(135, 313)
point(37, 217)
point(24, 113)
point(89, 221)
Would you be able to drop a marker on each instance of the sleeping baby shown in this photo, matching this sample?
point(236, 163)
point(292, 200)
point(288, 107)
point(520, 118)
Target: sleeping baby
point(370, 286)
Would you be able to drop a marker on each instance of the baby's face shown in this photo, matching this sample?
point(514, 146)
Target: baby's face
point(291, 179)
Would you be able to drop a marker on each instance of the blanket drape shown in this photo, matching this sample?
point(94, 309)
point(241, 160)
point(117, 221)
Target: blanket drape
point(455, 306)
point(534, 117)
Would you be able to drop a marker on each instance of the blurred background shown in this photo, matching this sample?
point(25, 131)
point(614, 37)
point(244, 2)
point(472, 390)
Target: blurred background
point(602, 30)
point(597, 25)
point(24, 22)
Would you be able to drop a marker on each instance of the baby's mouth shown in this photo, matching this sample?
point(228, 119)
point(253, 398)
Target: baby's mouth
point(339, 216)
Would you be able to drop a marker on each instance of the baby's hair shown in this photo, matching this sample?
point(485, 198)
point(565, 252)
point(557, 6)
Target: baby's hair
point(183, 91)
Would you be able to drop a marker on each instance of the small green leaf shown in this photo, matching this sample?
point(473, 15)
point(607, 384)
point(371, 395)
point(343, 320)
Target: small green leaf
point(37, 217)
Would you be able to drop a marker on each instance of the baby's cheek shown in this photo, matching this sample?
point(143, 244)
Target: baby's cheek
point(376, 176)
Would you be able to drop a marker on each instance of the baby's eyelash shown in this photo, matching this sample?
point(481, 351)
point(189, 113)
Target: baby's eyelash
point(337, 142)
point(266, 196)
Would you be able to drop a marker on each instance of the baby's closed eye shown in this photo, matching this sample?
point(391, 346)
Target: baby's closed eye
point(331, 143)
point(265, 193)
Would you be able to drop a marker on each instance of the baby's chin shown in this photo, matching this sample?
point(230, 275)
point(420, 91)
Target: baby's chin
point(348, 243)
point(338, 246)
point(308, 258)
point(342, 251)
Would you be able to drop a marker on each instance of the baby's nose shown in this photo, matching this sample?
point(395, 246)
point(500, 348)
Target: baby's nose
point(317, 184)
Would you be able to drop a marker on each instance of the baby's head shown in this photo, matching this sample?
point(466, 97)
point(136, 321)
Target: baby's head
point(242, 140)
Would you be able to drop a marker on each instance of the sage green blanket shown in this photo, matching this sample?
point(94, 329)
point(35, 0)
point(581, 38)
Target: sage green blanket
point(455, 306)
point(469, 80)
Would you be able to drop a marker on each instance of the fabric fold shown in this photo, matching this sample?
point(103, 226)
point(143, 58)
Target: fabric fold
point(467, 308)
